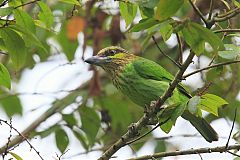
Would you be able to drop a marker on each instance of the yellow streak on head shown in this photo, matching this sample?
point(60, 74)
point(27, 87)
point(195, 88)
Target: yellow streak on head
point(118, 55)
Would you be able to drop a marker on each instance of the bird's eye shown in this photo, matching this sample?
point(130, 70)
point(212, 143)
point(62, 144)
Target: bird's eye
point(111, 52)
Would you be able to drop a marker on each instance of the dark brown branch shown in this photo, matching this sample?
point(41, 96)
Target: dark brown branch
point(220, 149)
point(210, 67)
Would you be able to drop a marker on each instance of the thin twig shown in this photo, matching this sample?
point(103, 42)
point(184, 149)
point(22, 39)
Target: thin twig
point(227, 13)
point(9, 138)
point(180, 46)
point(145, 134)
point(182, 135)
point(23, 137)
point(219, 149)
point(198, 12)
point(233, 153)
point(227, 17)
point(212, 60)
point(179, 66)
point(210, 67)
point(227, 30)
point(210, 9)
point(234, 119)
point(24, 4)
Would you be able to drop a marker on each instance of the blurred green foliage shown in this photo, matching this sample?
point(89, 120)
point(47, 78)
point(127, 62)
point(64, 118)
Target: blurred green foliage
point(25, 29)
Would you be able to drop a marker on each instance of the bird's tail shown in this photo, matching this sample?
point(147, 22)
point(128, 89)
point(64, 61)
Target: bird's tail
point(203, 127)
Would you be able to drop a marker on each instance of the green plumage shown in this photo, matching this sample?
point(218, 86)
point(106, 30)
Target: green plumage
point(144, 81)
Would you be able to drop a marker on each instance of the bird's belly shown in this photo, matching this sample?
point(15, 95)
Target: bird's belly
point(141, 91)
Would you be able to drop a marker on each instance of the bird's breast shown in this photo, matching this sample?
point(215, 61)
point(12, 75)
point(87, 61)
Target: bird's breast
point(141, 91)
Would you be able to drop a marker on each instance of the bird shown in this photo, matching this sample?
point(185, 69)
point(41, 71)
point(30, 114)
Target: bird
point(144, 81)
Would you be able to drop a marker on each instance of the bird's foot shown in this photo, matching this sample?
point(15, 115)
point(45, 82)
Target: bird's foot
point(132, 129)
point(153, 103)
point(153, 121)
point(150, 108)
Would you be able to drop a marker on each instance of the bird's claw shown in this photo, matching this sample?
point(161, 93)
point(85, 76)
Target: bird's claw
point(132, 129)
point(150, 108)
point(153, 103)
point(153, 121)
point(147, 109)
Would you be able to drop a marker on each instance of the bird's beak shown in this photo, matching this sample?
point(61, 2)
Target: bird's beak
point(97, 60)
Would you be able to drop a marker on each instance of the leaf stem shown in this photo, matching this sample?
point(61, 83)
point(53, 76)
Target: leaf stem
point(209, 67)
point(178, 65)
point(196, 9)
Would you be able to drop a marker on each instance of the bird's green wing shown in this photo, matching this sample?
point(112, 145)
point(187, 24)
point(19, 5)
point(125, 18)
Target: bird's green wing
point(151, 70)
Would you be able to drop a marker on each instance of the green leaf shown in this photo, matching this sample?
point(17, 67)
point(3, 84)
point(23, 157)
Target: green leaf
point(69, 119)
point(146, 12)
point(82, 138)
point(144, 24)
point(166, 30)
point(45, 15)
point(6, 11)
point(75, 2)
point(30, 37)
point(15, 46)
point(2, 45)
point(160, 147)
point(178, 111)
point(192, 105)
point(236, 3)
point(164, 115)
point(48, 131)
point(148, 3)
point(24, 20)
point(124, 107)
point(208, 36)
point(11, 105)
point(166, 127)
point(5, 79)
point(17, 157)
point(62, 140)
point(236, 136)
point(167, 8)
point(15, 3)
point(68, 47)
point(193, 39)
point(196, 36)
point(90, 123)
point(128, 12)
point(232, 51)
point(211, 103)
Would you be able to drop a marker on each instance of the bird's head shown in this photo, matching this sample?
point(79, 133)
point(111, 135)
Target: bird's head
point(111, 58)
